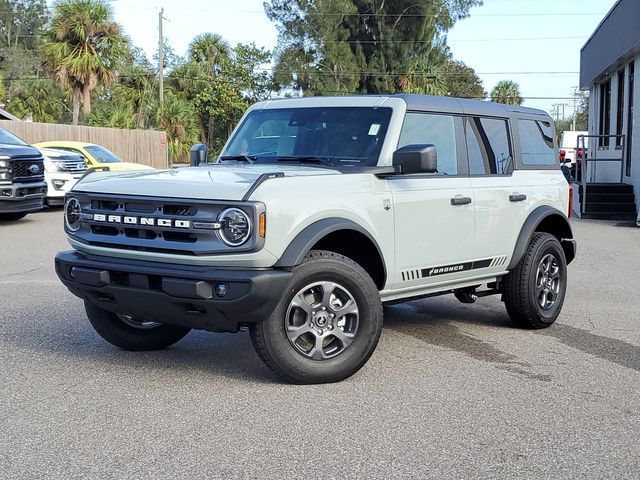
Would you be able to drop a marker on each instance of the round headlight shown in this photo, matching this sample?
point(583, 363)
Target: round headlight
point(236, 227)
point(72, 213)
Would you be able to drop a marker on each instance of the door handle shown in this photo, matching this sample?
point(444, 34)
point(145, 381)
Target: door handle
point(460, 201)
point(520, 197)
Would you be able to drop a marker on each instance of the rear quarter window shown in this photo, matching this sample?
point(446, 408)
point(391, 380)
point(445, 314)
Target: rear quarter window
point(536, 143)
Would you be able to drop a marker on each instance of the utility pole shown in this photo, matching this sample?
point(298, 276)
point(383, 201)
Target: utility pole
point(161, 56)
point(575, 108)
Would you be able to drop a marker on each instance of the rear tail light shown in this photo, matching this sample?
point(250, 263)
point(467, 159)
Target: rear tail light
point(579, 153)
point(570, 201)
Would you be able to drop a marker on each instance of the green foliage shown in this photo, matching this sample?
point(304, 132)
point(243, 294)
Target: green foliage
point(220, 83)
point(83, 48)
point(582, 116)
point(507, 92)
point(462, 81)
point(20, 22)
point(366, 46)
point(178, 119)
point(39, 99)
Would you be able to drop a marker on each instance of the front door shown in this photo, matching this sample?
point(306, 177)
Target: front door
point(434, 213)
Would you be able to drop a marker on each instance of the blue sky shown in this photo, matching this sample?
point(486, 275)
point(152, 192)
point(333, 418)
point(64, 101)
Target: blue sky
point(499, 39)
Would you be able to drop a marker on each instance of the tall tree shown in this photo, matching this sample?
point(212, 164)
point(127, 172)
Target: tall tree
point(508, 92)
point(369, 46)
point(220, 84)
point(462, 81)
point(38, 99)
point(83, 49)
point(20, 22)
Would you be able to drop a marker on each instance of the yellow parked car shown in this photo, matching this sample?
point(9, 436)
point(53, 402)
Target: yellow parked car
point(95, 155)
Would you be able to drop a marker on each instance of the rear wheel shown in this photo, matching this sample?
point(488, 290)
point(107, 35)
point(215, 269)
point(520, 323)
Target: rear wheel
point(129, 333)
point(534, 291)
point(326, 326)
point(12, 217)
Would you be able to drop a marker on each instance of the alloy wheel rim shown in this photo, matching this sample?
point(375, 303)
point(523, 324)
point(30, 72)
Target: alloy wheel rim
point(322, 320)
point(548, 282)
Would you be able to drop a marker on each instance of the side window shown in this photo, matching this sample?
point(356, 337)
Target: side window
point(488, 146)
point(439, 130)
point(536, 142)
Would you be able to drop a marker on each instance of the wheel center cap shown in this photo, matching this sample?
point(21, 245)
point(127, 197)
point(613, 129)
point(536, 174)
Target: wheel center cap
point(322, 319)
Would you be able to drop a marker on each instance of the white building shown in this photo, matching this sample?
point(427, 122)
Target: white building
point(608, 65)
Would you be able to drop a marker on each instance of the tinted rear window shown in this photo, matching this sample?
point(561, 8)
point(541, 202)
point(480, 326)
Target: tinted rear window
point(536, 143)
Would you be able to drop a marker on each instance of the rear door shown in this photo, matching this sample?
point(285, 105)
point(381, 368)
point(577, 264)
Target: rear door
point(501, 205)
point(434, 214)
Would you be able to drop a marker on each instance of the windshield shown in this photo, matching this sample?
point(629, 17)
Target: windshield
point(9, 138)
point(101, 154)
point(340, 135)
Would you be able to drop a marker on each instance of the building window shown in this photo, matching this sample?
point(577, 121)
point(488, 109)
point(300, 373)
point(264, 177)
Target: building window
point(620, 111)
point(605, 114)
point(630, 117)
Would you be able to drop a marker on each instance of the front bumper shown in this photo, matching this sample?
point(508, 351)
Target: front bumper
point(22, 197)
point(58, 184)
point(179, 295)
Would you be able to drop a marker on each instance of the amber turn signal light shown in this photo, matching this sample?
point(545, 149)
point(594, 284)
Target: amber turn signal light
point(262, 230)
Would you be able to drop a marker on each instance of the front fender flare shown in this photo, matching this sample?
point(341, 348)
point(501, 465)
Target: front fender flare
point(303, 242)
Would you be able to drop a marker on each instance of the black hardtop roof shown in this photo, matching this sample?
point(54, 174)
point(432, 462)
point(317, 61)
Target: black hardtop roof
point(432, 103)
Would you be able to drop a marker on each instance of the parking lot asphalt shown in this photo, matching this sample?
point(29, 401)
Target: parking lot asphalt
point(451, 392)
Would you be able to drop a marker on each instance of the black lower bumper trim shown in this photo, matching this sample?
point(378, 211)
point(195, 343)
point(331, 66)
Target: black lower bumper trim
point(197, 297)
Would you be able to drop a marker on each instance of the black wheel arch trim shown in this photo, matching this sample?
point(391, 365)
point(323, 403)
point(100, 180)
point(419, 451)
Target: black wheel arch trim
point(531, 225)
point(303, 242)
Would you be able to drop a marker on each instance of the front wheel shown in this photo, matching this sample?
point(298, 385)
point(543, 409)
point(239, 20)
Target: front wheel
point(534, 291)
point(327, 324)
point(128, 333)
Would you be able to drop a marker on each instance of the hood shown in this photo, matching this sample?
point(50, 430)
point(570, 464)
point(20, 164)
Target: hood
point(10, 150)
point(216, 182)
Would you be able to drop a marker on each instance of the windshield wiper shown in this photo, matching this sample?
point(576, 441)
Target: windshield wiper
point(240, 158)
point(306, 159)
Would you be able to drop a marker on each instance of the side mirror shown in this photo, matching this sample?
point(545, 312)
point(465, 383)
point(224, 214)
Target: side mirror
point(199, 155)
point(416, 159)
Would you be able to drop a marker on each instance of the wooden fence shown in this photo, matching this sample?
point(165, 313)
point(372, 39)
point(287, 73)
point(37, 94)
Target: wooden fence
point(148, 147)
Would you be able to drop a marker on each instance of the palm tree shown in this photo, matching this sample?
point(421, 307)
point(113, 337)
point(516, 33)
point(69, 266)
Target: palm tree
point(82, 49)
point(211, 48)
point(508, 92)
point(177, 117)
point(39, 99)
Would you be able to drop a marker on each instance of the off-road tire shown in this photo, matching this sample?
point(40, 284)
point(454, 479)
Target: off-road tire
point(12, 217)
point(274, 347)
point(115, 331)
point(519, 287)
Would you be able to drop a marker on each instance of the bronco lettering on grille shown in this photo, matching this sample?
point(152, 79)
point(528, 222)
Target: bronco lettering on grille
point(142, 221)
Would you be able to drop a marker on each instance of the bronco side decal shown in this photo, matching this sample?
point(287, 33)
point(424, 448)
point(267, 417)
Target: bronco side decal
point(455, 268)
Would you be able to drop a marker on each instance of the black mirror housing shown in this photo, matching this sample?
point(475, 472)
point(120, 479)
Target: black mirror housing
point(416, 159)
point(199, 155)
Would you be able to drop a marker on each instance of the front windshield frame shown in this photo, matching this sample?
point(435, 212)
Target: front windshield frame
point(102, 155)
point(335, 136)
point(13, 139)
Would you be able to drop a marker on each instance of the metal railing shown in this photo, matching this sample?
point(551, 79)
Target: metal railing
point(588, 167)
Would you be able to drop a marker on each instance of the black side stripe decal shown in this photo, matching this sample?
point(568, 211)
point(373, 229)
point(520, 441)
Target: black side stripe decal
point(458, 267)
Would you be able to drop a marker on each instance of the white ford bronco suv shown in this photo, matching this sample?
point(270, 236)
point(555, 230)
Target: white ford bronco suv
point(318, 212)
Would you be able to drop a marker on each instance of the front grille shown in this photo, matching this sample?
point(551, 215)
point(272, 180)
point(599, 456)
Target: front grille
point(150, 224)
point(73, 166)
point(28, 170)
